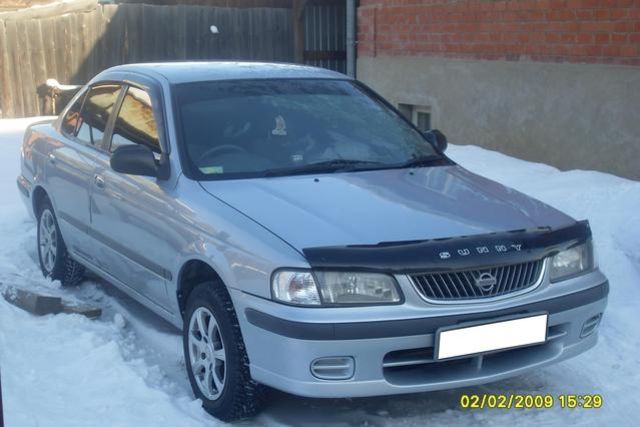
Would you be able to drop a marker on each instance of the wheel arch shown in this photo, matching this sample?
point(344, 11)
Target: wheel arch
point(192, 273)
point(37, 196)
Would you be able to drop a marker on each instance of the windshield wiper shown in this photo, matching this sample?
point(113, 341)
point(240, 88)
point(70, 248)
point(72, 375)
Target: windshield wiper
point(335, 165)
point(423, 161)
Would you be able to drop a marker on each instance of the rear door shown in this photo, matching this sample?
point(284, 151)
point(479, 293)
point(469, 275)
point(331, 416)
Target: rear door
point(71, 165)
point(131, 215)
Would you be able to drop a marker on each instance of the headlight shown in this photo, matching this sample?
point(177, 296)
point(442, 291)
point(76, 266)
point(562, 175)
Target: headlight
point(334, 288)
point(357, 288)
point(295, 287)
point(572, 262)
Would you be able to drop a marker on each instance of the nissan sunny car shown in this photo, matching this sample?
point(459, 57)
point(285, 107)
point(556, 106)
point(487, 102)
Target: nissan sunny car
point(303, 235)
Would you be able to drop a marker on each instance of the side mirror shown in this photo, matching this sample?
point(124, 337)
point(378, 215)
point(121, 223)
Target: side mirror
point(437, 139)
point(134, 160)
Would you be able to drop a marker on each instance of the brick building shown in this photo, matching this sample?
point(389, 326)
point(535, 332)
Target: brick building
point(556, 81)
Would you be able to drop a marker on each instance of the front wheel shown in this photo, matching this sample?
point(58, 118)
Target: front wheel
point(215, 355)
point(55, 261)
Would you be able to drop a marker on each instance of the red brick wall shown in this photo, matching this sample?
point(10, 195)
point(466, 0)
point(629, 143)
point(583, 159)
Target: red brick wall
point(606, 31)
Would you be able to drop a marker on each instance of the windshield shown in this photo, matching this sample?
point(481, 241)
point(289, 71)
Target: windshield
point(248, 128)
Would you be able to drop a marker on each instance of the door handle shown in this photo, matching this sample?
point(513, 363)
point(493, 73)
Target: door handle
point(52, 158)
point(99, 181)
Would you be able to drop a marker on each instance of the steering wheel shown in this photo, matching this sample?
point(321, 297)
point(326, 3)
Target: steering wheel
point(221, 149)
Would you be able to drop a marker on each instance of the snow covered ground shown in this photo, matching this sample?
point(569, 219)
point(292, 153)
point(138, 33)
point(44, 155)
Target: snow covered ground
point(127, 370)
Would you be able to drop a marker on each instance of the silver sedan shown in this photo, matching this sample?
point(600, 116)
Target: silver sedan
point(304, 235)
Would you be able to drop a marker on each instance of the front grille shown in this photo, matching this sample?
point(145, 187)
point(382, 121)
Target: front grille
point(476, 284)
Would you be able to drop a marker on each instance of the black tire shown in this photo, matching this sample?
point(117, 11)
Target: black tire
point(241, 396)
point(64, 268)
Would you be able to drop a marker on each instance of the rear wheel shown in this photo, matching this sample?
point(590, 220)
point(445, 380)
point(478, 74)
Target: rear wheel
point(215, 355)
point(55, 261)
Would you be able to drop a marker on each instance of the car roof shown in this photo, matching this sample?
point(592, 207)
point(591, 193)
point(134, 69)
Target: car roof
point(185, 72)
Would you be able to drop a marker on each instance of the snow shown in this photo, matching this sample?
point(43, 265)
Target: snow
point(127, 369)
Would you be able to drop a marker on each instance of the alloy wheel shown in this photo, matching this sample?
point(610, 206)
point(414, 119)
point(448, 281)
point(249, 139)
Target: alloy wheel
point(48, 240)
point(207, 353)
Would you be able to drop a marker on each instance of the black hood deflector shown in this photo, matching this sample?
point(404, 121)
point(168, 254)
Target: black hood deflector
point(452, 253)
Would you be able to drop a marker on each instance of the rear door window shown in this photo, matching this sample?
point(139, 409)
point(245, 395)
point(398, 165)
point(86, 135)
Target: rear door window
point(135, 123)
point(96, 111)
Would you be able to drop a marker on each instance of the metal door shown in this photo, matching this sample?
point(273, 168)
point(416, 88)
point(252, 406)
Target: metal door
point(325, 34)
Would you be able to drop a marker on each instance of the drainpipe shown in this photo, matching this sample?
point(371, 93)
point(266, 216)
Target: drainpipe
point(351, 38)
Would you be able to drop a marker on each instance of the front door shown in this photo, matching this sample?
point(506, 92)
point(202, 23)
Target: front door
point(130, 220)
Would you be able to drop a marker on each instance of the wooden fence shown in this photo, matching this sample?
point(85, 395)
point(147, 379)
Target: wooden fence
point(75, 46)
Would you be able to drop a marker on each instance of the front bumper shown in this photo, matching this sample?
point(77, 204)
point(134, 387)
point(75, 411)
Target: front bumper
point(396, 355)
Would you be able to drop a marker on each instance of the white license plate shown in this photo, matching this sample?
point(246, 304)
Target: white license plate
point(491, 336)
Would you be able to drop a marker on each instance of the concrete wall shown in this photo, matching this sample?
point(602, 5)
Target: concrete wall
point(584, 116)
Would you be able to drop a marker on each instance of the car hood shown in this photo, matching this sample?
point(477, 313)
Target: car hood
point(392, 205)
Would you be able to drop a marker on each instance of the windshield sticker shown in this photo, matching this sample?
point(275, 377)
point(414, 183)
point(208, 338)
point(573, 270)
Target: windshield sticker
point(212, 169)
point(281, 127)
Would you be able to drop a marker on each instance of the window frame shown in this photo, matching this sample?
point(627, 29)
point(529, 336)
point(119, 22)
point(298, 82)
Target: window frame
point(106, 134)
point(155, 91)
point(411, 112)
point(421, 109)
point(80, 96)
point(125, 88)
